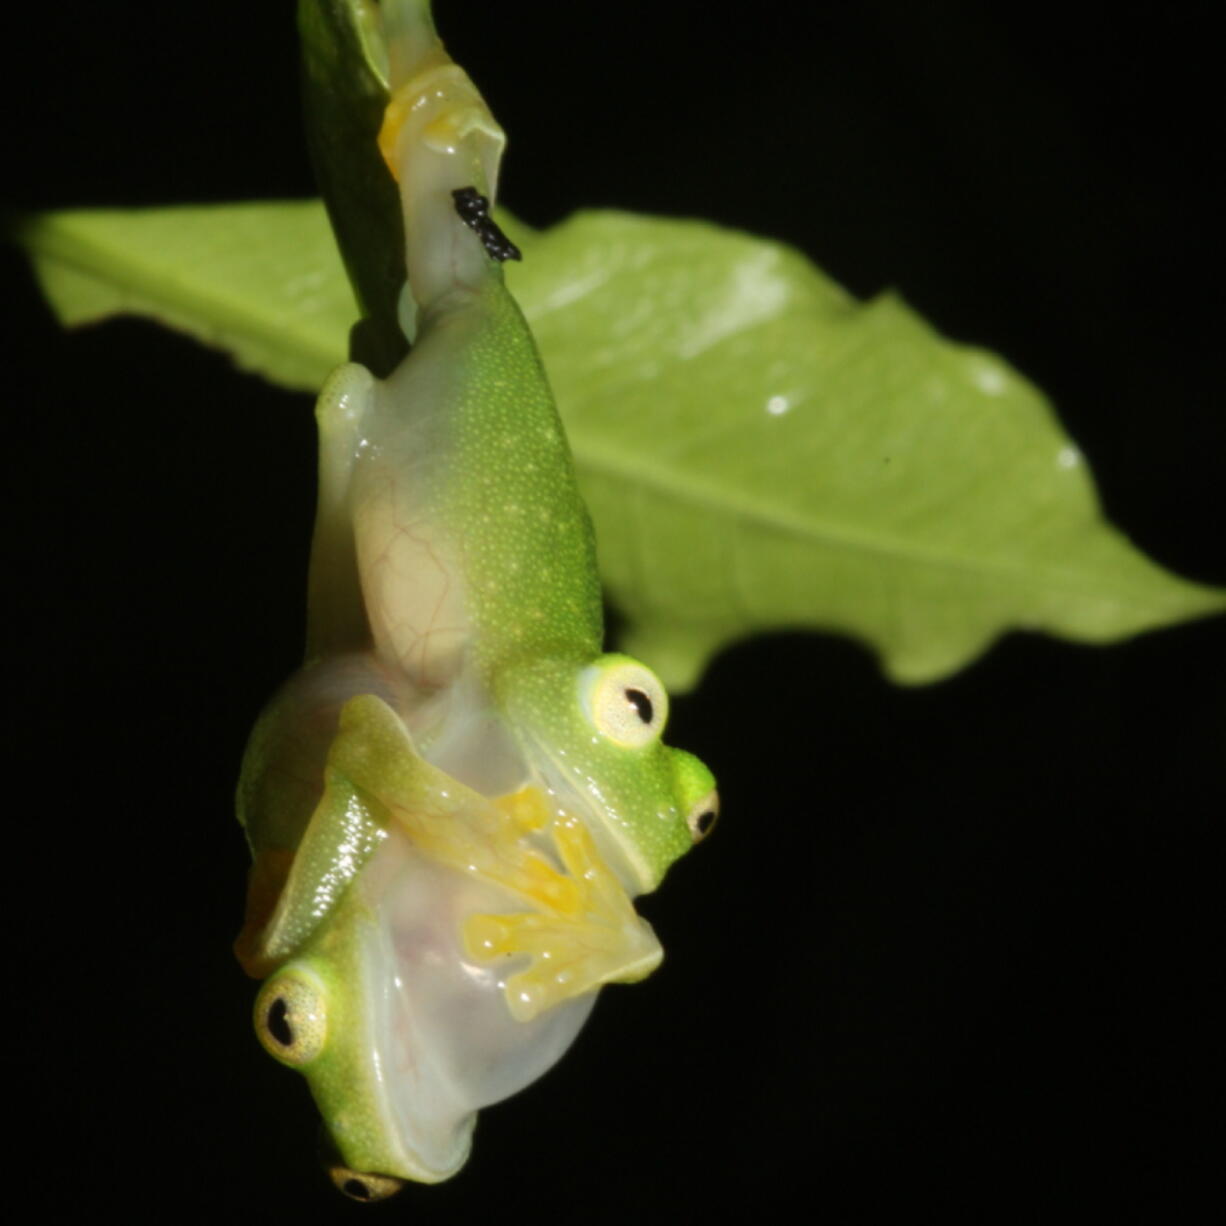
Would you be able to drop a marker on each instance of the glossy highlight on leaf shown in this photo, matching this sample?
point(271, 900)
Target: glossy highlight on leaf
point(759, 450)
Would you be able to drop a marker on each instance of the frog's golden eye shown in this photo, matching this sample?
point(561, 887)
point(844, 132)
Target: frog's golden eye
point(290, 1019)
point(625, 701)
point(363, 1186)
point(703, 816)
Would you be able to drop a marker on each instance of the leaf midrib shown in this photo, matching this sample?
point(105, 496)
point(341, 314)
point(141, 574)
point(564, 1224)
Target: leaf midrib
point(680, 485)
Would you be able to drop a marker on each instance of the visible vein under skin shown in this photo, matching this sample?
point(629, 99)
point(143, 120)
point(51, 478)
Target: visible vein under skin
point(507, 501)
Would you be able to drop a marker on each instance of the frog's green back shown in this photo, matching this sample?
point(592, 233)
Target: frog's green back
point(526, 538)
point(486, 518)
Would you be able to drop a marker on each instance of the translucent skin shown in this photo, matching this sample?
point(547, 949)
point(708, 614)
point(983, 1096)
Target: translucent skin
point(451, 805)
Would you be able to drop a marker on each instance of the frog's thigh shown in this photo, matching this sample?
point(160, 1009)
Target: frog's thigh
point(340, 413)
point(406, 532)
point(337, 615)
point(344, 832)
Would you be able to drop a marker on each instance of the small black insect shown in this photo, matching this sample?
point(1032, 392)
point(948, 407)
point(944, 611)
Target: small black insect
point(474, 211)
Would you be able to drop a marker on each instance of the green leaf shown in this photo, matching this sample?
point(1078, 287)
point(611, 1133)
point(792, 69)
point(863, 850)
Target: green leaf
point(759, 450)
point(261, 281)
point(344, 87)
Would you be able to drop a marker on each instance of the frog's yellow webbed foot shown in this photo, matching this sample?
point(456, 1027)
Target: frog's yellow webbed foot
point(582, 930)
point(439, 138)
point(456, 113)
point(579, 938)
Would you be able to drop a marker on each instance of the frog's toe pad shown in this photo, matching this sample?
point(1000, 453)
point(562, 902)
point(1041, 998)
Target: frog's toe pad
point(568, 957)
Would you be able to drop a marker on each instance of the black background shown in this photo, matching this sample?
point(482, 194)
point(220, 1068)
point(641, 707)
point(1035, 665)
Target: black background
point(949, 949)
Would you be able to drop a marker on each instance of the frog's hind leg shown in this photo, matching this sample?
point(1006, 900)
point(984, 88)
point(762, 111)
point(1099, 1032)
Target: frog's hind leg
point(336, 618)
point(443, 147)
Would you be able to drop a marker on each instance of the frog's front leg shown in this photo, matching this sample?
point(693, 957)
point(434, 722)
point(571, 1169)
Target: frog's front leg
point(384, 572)
point(581, 929)
point(576, 940)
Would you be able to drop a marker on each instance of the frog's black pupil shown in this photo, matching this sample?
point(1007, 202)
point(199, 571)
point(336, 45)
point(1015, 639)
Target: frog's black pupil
point(641, 703)
point(704, 821)
point(357, 1189)
point(278, 1022)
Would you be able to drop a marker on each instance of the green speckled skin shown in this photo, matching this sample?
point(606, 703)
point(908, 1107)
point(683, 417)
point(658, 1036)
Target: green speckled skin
point(467, 509)
point(453, 803)
point(508, 505)
point(509, 490)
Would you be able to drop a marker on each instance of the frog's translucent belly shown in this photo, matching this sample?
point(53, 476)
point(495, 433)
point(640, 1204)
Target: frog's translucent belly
point(412, 587)
point(410, 561)
point(440, 1032)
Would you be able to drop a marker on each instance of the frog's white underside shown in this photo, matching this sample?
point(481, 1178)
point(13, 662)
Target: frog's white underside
point(440, 1038)
point(442, 1041)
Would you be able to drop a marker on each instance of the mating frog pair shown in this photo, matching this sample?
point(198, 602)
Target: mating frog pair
point(452, 804)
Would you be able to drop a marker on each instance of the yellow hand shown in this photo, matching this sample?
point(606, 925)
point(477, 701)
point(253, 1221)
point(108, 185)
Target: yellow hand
point(579, 938)
point(583, 930)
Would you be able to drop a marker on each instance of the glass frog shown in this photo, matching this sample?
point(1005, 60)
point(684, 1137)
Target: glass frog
point(452, 804)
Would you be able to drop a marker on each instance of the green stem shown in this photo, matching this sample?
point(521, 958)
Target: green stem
point(344, 85)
